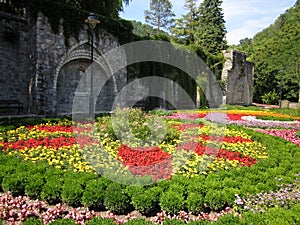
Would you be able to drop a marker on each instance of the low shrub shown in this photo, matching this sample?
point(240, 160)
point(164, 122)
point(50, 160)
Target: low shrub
point(138, 222)
point(215, 199)
point(51, 191)
point(93, 195)
point(33, 221)
point(173, 222)
point(228, 219)
point(64, 222)
point(100, 221)
point(34, 185)
point(116, 198)
point(72, 192)
point(273, 216)
point(146, 201)
point(15, 183)
point(172, 202)
point(195, 202)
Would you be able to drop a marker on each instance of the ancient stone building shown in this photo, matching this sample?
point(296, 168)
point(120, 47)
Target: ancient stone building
point(45, 71)
point(237, 76)
point(42, 69)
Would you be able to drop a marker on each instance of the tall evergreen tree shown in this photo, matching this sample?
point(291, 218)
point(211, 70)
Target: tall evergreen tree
point(160, 14)
point(211, 31)
point(185, 27)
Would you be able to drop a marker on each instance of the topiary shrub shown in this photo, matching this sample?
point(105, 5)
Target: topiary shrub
point(93, 195)
point(34, 185)
point(15, 183)
point(215, 199)
point(138, 222)
point(100, 220)
point(72, 192)
point(64, 222)
point(32, 221)
point(147, 201)
point(171, 202)
point(51, 191)
point(229, 219)
point(116, 198)
point(173, 222)
point(195, 202)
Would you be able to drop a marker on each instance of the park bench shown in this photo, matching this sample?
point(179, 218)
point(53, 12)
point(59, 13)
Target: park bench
point(10, 107)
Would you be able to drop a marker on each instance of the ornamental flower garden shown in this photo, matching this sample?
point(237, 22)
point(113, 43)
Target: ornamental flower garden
point(180, 167)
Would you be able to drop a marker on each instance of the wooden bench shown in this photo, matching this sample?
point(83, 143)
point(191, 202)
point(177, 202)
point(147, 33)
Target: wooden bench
point(10, 107)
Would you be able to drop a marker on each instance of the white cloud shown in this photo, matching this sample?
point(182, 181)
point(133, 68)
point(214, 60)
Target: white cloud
point(249, 29)
point(245, 18)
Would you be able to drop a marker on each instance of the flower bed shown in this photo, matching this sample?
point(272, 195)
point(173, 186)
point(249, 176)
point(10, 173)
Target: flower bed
point(196, 165)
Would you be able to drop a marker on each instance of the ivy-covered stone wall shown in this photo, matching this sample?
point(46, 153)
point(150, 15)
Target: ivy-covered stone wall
point(42, 68)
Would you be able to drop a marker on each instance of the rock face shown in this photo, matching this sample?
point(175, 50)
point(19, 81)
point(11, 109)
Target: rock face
point(43, 70)
point(237, 76)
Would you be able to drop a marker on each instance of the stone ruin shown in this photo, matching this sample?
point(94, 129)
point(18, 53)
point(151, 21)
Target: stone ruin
point(39, 70)
point(237, 77)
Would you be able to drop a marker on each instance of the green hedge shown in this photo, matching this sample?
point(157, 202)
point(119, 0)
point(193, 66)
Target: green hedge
point(211, 192)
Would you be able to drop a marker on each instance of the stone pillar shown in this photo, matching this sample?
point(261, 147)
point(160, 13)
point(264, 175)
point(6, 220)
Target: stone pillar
point(237, 75)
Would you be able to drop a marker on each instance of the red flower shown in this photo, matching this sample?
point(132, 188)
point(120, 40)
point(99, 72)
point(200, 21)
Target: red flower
point(146, 161)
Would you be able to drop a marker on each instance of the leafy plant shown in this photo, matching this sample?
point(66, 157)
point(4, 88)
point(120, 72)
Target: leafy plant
point(270, 98)
point(64, 222)
point(15, 183)
point(100, 220)
point(93, 195)
point(33, 221)
point(51, 191)
point(116, 198)
point(172, 202)
point(146, 201)
point(34, 185)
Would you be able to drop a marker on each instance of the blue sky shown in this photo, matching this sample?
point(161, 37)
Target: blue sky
point(244, 18)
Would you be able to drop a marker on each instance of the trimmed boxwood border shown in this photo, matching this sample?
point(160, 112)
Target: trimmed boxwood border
point(283, 162)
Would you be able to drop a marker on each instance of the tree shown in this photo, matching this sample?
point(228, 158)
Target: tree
point(211, 30)
point(272, 49)
point(160, 14)
point(185, 27)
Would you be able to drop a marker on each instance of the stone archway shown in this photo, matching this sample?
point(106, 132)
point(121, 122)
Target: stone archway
point(67, 82)
point(72, 69)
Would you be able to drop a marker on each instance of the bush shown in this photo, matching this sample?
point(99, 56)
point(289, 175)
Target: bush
point(32, 221)
point(116, 198)
point(214, 199)
point(173, 222)
point(15, 183)
point(51, 191)
point(100, 221)
point(195, 202)
point(34, 185)
point(138, 222)
point(93, 195)
point(229, 219)
point(147, 202)
point(171, 202)
point(270, 98)
point(72, 192)
point(64, 222)
point(8, 166)
point(73, 187)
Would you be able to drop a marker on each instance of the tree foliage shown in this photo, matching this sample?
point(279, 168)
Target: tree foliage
point(185, 27)
point(160, 14)
point(277, 47)
point(211, 28)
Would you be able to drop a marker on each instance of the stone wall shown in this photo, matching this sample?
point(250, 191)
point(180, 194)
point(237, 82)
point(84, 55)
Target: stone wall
point(15, 59)
point(42, 69)
point(237, 76)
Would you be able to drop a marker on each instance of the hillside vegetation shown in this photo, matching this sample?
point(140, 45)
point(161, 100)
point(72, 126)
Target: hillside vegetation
point(275, 52)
